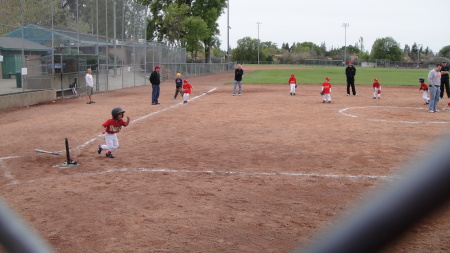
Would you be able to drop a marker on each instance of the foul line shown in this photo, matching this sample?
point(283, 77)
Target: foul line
point(144, 117)
point(343, 112)
point(245, 173)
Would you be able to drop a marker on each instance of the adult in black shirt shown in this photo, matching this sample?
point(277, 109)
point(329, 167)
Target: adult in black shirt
point(350, 72)
point(238, 73)
point(444, 80)
point(155, 80)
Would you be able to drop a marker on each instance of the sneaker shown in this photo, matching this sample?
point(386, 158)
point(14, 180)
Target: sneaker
point(99, 149)
point(234, 94)
point(323, 101)
point(374, 98)
point(88, 103)
point(379, 98)
point(110, 155)
point(436, 111)
point(185, 102)
point(431, 111)
point(92, 102)
point(294, 94)
point(240, 94)
point(348, 94)
point(290, 93)
point(355, 95)
point(329, 102)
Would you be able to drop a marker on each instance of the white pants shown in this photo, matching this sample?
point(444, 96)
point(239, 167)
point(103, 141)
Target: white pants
point(425, 96)
point(112, 143)
point(185, 96)
point(375, 92)
point(327, 96)
point(292, 87)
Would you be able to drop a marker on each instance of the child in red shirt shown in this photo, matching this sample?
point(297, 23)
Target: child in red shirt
point(187, 89)
point(424, 88)
point(110, 128)
point(376, 89)
point(293, 84)
point(326, 88)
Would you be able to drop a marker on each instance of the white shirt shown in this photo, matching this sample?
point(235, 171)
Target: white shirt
point(89, 81)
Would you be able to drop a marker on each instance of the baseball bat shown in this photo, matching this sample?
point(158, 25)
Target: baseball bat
point(47, 152)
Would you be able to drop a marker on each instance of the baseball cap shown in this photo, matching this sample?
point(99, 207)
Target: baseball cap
point(157, 67)
point(327, 78)
point(351, 63)
point(185, 81)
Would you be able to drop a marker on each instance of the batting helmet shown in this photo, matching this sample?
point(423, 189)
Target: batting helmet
point(421, 80)
point(116, 111)
point(327, 78)
point(376, 79)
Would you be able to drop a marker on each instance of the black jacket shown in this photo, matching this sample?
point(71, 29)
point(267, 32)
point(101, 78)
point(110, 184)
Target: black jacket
point(350, 71)
point(155, 79)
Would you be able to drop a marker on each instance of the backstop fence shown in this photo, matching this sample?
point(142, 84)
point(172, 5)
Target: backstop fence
point(54, 45)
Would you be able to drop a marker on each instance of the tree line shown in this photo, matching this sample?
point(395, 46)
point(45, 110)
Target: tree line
point(383, 48)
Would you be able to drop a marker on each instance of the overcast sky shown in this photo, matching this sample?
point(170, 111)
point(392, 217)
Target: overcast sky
point(406, 21)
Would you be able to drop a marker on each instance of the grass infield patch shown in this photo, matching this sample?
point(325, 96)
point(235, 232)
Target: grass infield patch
point(316, 75)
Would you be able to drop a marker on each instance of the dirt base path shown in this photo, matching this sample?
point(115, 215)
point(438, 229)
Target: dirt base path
point(261, 172)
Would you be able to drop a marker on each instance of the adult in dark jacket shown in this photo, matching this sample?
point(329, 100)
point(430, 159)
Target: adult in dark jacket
point(350, 72)
point(238, 73)
point(155, 80)
point(444, 80)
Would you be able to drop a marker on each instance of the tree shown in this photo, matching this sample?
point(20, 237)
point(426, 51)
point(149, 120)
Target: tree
point(387, 49)
point(208, 10)
point(246, 50)
point(173, 22)
point(195, 30)
point(445, 51)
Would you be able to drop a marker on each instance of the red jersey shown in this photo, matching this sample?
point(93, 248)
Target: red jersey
point(423, 86)
point(113, 126)
point(326, 87)
point(292, 80)
point(376, 85)
point(187, 87)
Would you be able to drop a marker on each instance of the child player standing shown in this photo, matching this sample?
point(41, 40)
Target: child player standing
point(424, 88)
point(178, 85)
point(293, 84)
point(110, 128)
point(376, 89)
point(187, 89)
point(326, 89)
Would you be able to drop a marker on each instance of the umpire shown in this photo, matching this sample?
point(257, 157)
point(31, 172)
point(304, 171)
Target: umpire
point(444, 80)
point(350, 72)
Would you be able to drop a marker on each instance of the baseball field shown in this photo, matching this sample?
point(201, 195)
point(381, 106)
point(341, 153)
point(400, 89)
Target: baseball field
point(261, 172)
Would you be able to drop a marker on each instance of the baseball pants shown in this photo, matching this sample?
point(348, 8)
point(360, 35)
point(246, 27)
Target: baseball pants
point(112, 143)
point(292, 87)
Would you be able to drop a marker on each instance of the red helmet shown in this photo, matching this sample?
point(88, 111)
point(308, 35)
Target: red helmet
point(327, 78)
point(376, 79)
point(185, 81)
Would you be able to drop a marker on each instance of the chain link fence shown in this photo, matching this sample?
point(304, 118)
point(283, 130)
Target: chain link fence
point(56, 44)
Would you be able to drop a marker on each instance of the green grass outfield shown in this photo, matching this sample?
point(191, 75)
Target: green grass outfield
point(316, 75)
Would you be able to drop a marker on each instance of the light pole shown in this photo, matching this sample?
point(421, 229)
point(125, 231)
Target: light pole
point(418, 55)
point(258, 23)
point(228, 31)
point(345, 25)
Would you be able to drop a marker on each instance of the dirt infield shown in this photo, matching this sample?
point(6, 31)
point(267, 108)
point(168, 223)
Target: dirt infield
point(261, 172)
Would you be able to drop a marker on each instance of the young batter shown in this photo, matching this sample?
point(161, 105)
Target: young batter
point(376, 89)
point(110, 128)
point(187, 89)
point(326, 88)
point(424, 88)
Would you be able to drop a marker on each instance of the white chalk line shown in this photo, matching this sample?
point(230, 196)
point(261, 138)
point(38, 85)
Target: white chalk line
point(343, 112)
point(144, 117)
point(244, 173)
